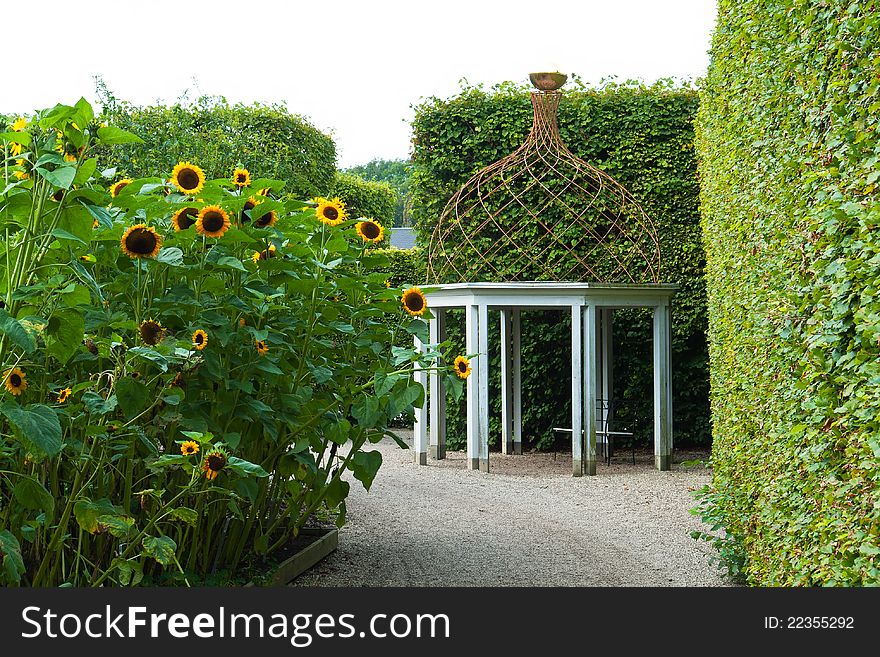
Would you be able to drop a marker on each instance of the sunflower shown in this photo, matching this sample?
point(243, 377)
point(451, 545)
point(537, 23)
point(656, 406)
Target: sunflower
point(264, 255)
point(141, 241)
point(188, 178)
point(242, 321)
point(117, 187)
point(15, 381)
point(414, 302)
point(266, 220)
point(189, 448)
point(264, 191)
point(151, 332)
point(64, 395)
point(370, 230)
point(249, 205)
point(23, 174)
point(57, 196)
point(462, 367)
point(200, 339)
point(241, 177)
point(261, 346)
point(212, 221)
point(70, 157)
point(330, 212)
point(184, 218)
point(15, 150)
point(19, 124)
point(215, 461)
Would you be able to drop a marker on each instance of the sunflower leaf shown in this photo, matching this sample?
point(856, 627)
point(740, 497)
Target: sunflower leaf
point(61, 177)
point(170, 255)
point(13, 564)
point(19, 336)
point(161, 548)
point(152, 356)
point(365, 466)
point(114, 135)
point(37, 424)
point(132, 396)
point(31, 494)
point(87, 512)
point(245, 468)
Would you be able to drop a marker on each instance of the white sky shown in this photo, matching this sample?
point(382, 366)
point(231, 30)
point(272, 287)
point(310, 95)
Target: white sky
point(353, 68)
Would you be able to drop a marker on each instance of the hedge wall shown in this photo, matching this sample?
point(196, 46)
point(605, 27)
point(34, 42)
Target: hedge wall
point(365, 198)
point(789, 169)
point(265, 139)
point(643, 137)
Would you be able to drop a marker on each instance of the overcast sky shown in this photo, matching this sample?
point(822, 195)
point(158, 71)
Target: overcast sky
point(353, 68)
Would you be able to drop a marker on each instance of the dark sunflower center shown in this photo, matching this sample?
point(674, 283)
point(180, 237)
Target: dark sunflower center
point(462, 366)
point(151, 333)
point(212, 221)
point(187, 218)
point(188, 179)
point(216, 462)
point(265, 220)
point(370, 230)
point(261, 345)
point(199, 338)
point(15, 380)
point(414, 302)
point(58, 195)
point(119, 186)
point(240, 178)
point(189, 449)
point(140, 241)
point(331, 213)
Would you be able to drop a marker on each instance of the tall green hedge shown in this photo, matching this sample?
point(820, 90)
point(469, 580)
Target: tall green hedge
point(365, 198)
point(789, 169)
point(267, 140)
point(643, 137)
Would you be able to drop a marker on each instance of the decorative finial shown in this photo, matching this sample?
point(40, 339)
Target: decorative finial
point(548, 81)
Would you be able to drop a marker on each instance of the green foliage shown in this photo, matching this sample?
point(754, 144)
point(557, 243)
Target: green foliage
point(364, 198)
point(219, 137)
point(178, 398)
point(789, 171)
point(398, 174)
point(643, 137)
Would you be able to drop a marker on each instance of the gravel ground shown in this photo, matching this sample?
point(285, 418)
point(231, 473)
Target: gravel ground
point(526, 523)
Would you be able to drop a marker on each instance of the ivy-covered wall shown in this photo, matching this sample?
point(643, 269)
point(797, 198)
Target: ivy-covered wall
point(365, 198)
point(267, 140)
point(789, 167)
point(643, 137)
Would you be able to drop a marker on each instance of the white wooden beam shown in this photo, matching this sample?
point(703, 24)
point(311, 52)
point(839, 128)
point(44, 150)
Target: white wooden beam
point(589, 387)
point(516, 348)
point(483, 367)
point(506, 381)
point(420, 429)
point(473, 397)
point(577, 391)
point(437, 433)
point(662, 387)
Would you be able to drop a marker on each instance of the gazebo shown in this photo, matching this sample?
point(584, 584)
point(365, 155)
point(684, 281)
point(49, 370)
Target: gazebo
point(541, 211)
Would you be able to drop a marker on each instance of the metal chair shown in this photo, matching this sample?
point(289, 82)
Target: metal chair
point(605, 419)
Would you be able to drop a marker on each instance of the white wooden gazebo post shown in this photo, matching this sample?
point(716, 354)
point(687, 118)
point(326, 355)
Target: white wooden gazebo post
point(476, 325)
point(589, 388)
point(483, 368)
point(511, 383)
point(420, 428)
point(517, 382)
point(577, 391)
point(662, 387)
point(437, 393)
point(473, 393)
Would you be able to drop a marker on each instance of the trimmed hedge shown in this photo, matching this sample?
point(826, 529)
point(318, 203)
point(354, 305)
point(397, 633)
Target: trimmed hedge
point(643, 137)
point(365, 198)
point(789, 170)
point(219, 137)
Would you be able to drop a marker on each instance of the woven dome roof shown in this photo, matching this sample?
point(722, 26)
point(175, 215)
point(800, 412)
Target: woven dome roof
point(543, 214)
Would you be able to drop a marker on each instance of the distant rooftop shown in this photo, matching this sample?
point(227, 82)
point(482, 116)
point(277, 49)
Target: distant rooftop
point(403, 238)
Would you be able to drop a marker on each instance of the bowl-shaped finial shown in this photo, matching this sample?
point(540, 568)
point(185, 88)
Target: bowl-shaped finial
point(548, 81)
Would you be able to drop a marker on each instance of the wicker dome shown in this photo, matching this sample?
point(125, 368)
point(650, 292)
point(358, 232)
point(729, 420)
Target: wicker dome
point(543, 214)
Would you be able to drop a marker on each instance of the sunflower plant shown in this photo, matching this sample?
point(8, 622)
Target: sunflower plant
point(190, 366)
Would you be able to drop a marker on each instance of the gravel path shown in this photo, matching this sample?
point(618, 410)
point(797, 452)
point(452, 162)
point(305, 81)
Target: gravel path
point(526, 523)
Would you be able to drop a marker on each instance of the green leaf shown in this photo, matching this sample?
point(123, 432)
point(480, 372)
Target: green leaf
point(185, 514)
point(10, 550)
point(16, 333)
point(22, 138)
point(336, 492)
point(64, 334)
point(118, 526)
point(113, 135)
point(64, 235)
point(366, 411)
point(131, 572)
point(170, 255)
point(61, 177)
point(365, 465)
point(169, 459)
point(161, 548)
point(37, 424)
point(131, 395)
point(88, 512)
point(85, 171)
point(231, 263)
point(153, 356)
point(31, 494)
point(245, 468)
